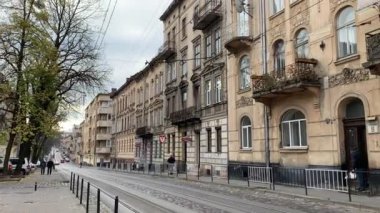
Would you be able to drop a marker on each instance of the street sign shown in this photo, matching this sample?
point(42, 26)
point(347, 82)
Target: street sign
point(162, 138)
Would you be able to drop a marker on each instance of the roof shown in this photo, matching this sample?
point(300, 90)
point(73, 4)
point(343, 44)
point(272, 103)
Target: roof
point(170, 9)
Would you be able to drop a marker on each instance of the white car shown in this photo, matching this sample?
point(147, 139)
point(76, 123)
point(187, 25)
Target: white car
point(25, 169)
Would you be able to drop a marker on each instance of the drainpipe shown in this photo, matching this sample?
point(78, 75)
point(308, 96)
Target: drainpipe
point(264, 71)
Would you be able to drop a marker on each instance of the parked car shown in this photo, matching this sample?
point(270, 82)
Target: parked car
point(25, 168)
point(2, 164)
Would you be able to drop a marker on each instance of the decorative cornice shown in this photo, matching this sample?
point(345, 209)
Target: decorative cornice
point(244, 101)
point(349, 76)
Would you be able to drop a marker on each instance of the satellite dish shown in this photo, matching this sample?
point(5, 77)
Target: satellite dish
point(239, 5)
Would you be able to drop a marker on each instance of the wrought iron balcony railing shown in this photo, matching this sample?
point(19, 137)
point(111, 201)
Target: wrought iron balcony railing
point(207, 14)
point(186, 115)
point(294, 78)
point(143, 131)
point(373, 52)
point(166, 50)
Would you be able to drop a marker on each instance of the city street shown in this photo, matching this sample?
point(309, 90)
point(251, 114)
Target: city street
point(146, 193)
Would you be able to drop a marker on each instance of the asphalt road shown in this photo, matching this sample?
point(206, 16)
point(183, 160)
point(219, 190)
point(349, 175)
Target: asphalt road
point(145, 193)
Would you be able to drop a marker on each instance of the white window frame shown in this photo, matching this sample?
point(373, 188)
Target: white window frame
point(349, 29)
point(277, 6)
point(302, 46)
point(208, 46)
point(208, 92)
point(218, 89)
point(244, 72)
point(218, 41)
point(246, 140)
point(290, 124)
point(197, 55)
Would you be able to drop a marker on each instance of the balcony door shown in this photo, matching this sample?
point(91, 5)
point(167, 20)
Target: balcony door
point(243, 20)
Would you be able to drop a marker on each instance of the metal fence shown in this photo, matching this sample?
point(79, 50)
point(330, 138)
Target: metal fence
point(96, 199)
point(307, 178)
point(333, 180)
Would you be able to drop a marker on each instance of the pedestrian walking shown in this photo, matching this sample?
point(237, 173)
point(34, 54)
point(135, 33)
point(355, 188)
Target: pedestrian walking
point(43, 166)
point(50, 165)
point(80, 164)
point(171, 164)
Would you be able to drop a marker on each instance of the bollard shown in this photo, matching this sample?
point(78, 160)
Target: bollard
point(305, 181)
point(35, 186)
point(228, 175)
point(116, 208)
point(212, 178)
point(98, 202)
point(88, 197)
point(73, 183)
point(198, 170)
point(81, 191)
point(71, 180)
point(186, 171)
point(77, 186)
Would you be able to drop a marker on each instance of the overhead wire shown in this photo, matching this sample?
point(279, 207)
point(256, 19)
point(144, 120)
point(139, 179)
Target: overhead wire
point(109, 21)
point(104, 20)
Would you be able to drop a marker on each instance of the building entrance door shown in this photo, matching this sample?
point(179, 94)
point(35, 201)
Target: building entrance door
point(355, 135)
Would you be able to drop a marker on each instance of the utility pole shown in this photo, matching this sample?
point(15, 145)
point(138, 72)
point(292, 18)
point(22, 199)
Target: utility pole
point(265, 71)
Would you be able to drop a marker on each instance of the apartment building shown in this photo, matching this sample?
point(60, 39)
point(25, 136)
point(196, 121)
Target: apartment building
point(78, 143)
point(196, 100)
point(314, 83)
point(97, 131)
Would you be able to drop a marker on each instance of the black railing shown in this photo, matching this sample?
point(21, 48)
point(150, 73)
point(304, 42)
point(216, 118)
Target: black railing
point(373, 46)
point(207, 13)
point(95, 199)
point(188, 114)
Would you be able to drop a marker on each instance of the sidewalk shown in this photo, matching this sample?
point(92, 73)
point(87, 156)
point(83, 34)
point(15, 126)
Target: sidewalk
point(52, 195)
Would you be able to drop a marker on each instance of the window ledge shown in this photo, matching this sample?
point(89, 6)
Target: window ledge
point(245, 150)
point(295, 3)
point(244, 90)
point(277, 14)
point(304, 149)
point(347, 59)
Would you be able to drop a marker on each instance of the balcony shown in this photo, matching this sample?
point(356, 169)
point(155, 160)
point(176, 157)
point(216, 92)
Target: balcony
point(373, 52)
point(104, 110)
point(166, 50)
point(186, 115)
point(144, 131)
point(103, 136)
point(103, 150)
point(207, 14)
point(297, 77)
point(238, 38)
point(102, 123)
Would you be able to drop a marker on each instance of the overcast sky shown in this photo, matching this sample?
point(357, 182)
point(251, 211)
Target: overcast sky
point(134, 36)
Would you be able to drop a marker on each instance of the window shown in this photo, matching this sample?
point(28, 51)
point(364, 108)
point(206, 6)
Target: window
point(302, 47)
point(218, 139)
point(157, 86)
point(173, 71)
point(218, 42)
point(293, 129)
point(184, 63)
point(184, 27)
point(279, 58)
point(243, 20)
point(346, 32)
point(155, 149)
point(277, 6)
point(208, 92)
point(246, 133)
point(168, 144)
point(244, 73)
point(208, 140)
point(218, 89)
point(208, 46)
point(197, 55)
point(184, 99)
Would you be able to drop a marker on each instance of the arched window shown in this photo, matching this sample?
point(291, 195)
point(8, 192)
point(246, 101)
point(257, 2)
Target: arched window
point(246, 133)
point(301, 43)
point(346, 32)
point(293, 129)
point(279, 57)
point(244, 73)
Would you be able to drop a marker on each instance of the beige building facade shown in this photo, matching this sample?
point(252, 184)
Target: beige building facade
point(196, 101)
point(97, 131)
point(314, 103)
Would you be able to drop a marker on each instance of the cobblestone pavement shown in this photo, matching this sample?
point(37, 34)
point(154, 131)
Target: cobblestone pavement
point(179, 195)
